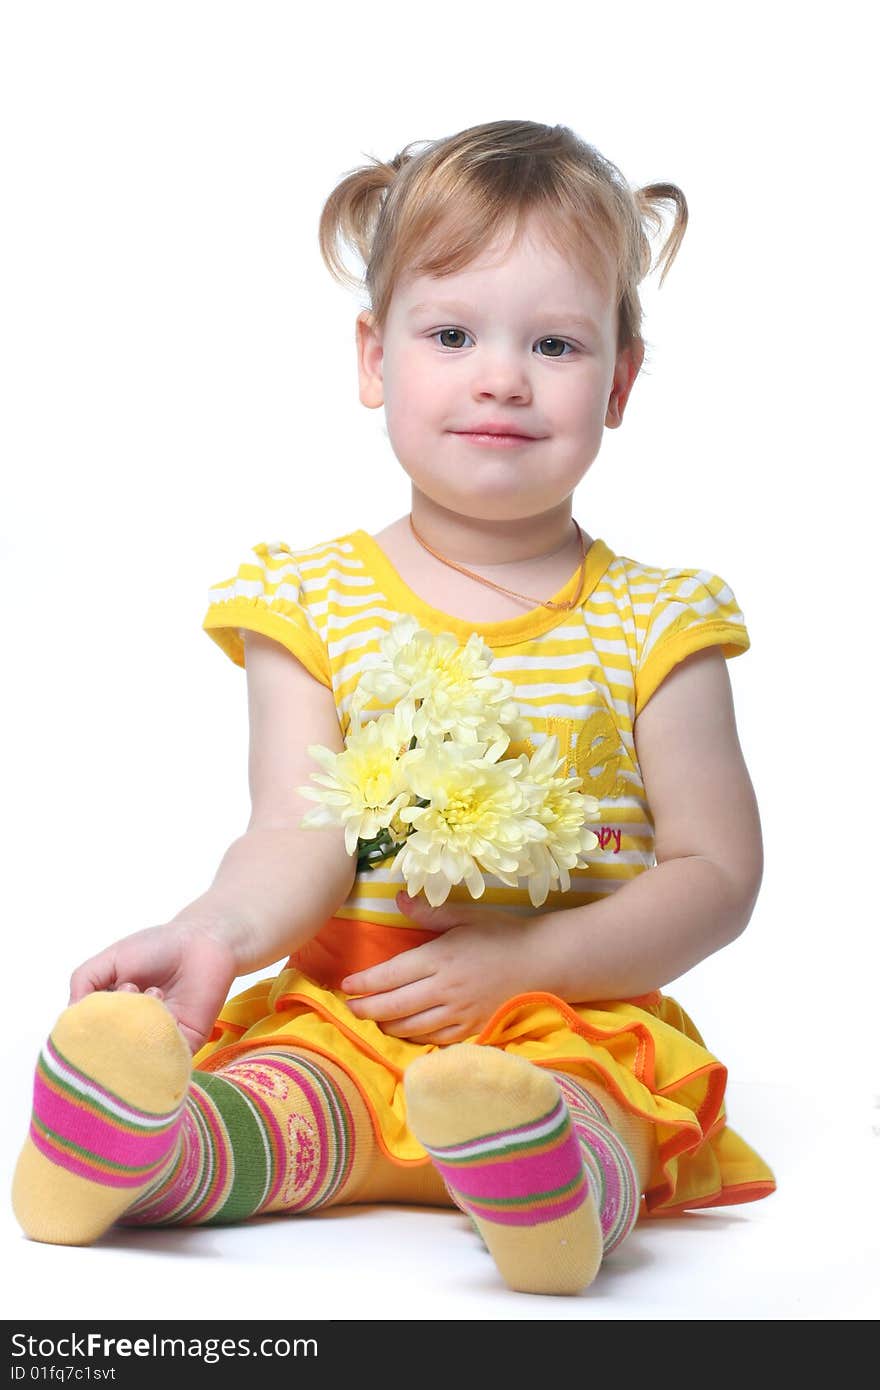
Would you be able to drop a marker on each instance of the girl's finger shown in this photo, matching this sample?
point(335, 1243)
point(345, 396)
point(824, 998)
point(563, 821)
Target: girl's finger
point(91, 977)
point(395, 1003)
point(154, 989)
point(418, 1025)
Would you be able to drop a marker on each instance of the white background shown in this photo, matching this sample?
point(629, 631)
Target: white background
point(178, 366)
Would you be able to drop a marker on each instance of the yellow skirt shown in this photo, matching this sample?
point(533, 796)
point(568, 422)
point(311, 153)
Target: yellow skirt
point(649, 1054)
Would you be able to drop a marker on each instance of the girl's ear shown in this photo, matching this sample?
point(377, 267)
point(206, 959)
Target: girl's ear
point(369, 351)
point(627, 367)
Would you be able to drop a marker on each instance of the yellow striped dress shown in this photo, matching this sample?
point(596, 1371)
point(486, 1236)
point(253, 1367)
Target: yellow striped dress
point(584, 675)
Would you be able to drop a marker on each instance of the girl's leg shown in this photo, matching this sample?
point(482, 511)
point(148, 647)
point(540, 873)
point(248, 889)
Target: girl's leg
point(533, 1158)
point(123, 1131)
point(280, 1129)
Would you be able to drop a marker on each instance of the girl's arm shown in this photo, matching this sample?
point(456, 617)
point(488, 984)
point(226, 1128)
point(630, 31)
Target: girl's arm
point(277, 884)
point(274, 889)
point(708, 846)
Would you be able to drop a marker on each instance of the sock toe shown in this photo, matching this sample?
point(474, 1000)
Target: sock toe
point(109, 1089)
point(451, 1090)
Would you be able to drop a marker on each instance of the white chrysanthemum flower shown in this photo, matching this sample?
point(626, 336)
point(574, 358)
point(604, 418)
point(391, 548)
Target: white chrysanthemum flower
point(365, 789)
point(446, 688)
point(562, 810)
point(479, 816)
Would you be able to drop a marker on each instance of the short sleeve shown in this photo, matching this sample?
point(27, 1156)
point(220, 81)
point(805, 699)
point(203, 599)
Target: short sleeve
point(692, 609)
point(266, 595)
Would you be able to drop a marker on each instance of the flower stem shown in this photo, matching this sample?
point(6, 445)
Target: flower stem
point(375, 851)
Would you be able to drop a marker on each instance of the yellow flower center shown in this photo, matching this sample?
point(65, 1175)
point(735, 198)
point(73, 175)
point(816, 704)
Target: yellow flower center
point(374, 791)
point(462, 809)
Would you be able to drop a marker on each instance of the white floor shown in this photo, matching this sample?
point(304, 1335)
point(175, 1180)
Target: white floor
point(810, 1251)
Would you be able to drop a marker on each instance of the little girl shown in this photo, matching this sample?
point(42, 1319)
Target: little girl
point(520, 1064)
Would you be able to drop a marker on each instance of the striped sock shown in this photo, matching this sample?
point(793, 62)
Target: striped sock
point(612, 1172)
point(86, 1129)
point(123, 1132)
point(279, 1130)
point(497, 1129)
point(107, 1111)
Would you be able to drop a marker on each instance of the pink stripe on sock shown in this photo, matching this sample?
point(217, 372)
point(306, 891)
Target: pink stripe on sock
point(522, 1176)
point(518, 1190)
point(93, 1170)
point(531, 1215)
point(104, 1141)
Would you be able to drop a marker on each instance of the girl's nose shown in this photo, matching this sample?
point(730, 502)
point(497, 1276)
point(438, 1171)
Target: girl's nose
point(502, 376)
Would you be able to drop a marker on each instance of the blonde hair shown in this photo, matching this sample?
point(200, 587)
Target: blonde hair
point(432, 211)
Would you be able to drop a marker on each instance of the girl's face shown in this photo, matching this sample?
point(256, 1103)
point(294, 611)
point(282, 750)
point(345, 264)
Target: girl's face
point(520, 340)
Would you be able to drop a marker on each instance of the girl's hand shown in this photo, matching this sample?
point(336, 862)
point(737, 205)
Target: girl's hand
point(446, 990)
point(184, 965)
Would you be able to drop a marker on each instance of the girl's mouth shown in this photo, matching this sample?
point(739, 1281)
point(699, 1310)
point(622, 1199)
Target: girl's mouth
point(498, 441)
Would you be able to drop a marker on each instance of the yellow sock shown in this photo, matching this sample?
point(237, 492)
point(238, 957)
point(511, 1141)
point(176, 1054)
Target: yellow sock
point(109, 1092)
point(498, 1131)
point(617, 1150)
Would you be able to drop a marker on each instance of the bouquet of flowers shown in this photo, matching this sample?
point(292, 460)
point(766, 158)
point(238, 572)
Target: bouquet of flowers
point(427, 781)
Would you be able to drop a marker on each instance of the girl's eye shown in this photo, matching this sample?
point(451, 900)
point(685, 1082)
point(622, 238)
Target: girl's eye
point(556, 342)
point(441, 331)
point(559, 342)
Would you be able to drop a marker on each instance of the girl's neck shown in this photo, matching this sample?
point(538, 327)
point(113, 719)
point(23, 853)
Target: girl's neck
point(484, 544)
point(444, 588)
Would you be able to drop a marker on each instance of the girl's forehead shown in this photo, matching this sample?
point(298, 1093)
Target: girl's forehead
point(522, 275)
point(574, 265)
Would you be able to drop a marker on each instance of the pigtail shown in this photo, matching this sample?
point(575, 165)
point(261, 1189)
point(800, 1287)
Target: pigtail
point(647, 200)
point(351, 213)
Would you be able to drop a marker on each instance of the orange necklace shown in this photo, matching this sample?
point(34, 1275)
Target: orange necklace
point(542, 603)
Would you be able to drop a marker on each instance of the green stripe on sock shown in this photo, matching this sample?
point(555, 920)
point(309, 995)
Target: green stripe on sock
point(249, 1147)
